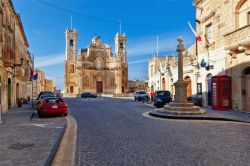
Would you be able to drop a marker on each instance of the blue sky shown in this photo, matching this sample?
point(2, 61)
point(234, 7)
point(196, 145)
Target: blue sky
point(45, 29)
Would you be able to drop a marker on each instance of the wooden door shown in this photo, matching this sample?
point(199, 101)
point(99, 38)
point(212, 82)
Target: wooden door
point(189, 87)
point(99, 87)
point(71, 89)
point(247, 99)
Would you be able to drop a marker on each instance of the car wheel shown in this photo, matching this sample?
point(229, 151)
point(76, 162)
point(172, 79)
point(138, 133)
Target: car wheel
point(65, 114)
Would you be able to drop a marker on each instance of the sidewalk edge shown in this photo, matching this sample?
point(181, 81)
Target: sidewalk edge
point(55, 148)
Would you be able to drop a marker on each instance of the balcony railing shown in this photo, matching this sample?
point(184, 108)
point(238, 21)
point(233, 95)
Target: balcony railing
point(7, 56)
point(238, 36)
point(21, 74)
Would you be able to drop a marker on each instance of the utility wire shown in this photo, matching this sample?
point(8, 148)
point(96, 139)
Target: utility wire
point(99, 18)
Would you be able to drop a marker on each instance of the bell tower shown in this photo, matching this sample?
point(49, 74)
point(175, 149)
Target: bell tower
point(120, 47)
point(71, 44)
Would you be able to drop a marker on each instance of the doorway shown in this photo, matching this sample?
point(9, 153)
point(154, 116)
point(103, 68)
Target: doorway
point(71, 89)
point(209, 90)
point(9, 93)
point(163, 84)
point(99, 87)
point(17, 90)
point(189, 86)
point(247, 89)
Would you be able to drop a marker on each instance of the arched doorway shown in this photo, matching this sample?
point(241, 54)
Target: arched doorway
point(246, 89)
point(9, 93)
point(17, 90)
point(163, 84)
point(189, 86)
point(209, 89)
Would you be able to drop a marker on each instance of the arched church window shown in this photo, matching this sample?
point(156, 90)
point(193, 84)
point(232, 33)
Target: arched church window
point(72, 69)
point(121, 45)
point(71, 43)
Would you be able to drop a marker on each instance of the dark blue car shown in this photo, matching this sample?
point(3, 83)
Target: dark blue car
point(161, 98)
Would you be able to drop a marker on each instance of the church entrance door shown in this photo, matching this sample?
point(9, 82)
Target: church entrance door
point(99, 87)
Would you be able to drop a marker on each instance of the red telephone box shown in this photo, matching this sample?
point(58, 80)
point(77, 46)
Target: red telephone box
point(221, 92)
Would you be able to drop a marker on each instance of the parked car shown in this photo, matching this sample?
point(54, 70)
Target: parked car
point(195, 100)
point(42, 97)
point(140, 95)
point(44, 93)
point(161, 98)
point(52, 106)
point(88, 95)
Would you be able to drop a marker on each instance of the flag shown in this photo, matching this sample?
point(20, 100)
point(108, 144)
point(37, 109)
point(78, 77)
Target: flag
point(35, 77)
point(31, 74)
point(198, 38)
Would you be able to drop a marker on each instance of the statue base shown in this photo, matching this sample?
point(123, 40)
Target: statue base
point(182, 109)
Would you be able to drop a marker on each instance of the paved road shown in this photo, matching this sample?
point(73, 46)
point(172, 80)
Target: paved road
point(114, 132)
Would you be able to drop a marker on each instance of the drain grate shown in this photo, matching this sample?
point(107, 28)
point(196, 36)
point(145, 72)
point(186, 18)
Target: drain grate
point(20, 146)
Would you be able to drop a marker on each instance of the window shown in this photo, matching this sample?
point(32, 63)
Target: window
point(71, 43)
point(72, 69)
point(209, 33)
point(248, 17)
point(199, 88)
point(121, 45)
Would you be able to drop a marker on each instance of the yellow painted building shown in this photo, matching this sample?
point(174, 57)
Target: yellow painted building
point(15, 61)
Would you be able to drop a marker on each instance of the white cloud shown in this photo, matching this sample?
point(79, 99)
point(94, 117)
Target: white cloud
point(49, 60)
point(138, 61)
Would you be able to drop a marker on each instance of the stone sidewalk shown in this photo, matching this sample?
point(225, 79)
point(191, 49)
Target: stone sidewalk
point(25, 141)
point(210, 114)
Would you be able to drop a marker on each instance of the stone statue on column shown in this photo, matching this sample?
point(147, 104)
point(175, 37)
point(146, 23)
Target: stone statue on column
point(180, 104)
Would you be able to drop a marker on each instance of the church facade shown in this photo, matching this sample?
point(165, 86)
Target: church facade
point(95, 69)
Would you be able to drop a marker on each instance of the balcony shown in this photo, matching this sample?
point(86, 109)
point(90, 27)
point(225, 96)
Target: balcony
point(238, 38)
point(8, 56)
point(21, 75)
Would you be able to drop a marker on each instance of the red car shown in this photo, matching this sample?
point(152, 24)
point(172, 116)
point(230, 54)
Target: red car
point(52, 106)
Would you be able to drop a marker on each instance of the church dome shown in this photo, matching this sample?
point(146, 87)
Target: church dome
point(96, 41)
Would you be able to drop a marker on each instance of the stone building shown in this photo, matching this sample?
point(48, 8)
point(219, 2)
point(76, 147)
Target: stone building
point(158, 77)
point(226, 25)
point(39, 83)
point(49, 85)
point(15, 61)
point(95, 69)
point(136, 85)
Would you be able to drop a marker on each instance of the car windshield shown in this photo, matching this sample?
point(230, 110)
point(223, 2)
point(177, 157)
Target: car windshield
point(46, 96)
point(162, 93)
point(54, 100)
point(141, 92)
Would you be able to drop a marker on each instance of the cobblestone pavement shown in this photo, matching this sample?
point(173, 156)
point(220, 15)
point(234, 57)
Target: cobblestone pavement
point(114, 132)
point(28, 142)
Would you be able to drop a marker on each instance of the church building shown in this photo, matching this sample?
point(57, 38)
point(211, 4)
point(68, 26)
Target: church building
point(95, 69)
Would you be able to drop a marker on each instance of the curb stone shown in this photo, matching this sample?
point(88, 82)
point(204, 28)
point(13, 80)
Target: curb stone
point(168, 116)
point(55, 148)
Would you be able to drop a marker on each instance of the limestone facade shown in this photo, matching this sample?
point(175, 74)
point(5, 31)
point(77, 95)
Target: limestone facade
point(136, 85)
point(15, 61)
point(224, 27)
point(39, 84)
point(95, 69)
point(49, 85)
